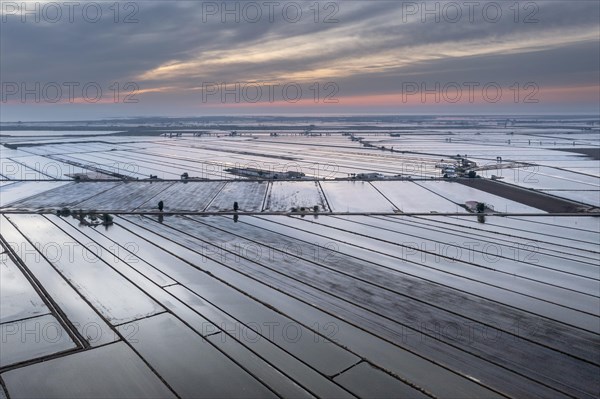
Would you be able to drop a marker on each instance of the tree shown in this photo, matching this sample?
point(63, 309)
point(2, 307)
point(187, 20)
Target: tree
point(160, 206)
point(480, 207)
point(472, 174)
point(107, 219)
point(236, 206)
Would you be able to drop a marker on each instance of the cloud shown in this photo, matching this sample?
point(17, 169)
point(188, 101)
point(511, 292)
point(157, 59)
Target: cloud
point(365, 47)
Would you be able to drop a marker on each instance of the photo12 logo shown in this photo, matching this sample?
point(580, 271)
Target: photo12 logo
point(490, 12)
point(68, 92)
point(471, 92)
point(69, 11)
point(71, 252)
point(262, 92)
point(269, 11)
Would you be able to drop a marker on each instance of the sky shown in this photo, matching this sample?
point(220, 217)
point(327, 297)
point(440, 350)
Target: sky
point(89, 60)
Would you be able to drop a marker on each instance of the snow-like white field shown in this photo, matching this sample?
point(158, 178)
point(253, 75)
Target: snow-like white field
point(10, 193)
point(410, 197)
point(250, 197)
point(52, 133)
point(355, 196)
point(283, 196)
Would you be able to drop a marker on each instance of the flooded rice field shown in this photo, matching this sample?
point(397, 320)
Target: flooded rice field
point(443, 263)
